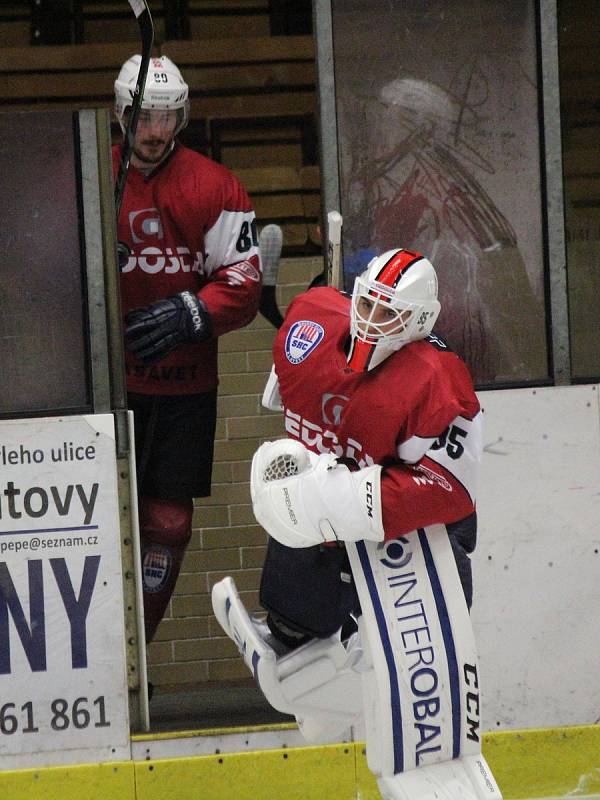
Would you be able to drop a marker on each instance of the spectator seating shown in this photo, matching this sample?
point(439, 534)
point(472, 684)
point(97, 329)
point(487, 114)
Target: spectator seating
point(253, 105)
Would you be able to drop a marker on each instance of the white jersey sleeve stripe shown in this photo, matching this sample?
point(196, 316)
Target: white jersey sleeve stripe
point(413, 449)
point(231, 239)
point(460, 450)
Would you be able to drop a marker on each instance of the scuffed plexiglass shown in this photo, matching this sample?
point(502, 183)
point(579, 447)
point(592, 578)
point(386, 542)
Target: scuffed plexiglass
point(437, 105)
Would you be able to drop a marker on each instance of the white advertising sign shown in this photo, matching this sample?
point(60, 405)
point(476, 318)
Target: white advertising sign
point(536, 567)
point(63, 683)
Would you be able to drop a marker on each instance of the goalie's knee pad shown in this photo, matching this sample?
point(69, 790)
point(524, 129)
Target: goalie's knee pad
point(165, 531)
point(316, 683)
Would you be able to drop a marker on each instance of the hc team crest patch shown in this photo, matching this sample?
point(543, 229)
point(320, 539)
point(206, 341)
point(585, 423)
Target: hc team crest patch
point(302, 339)
point(156, 568)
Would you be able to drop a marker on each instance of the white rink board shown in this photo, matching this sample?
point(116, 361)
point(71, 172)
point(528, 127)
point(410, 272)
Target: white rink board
point(63, 682)
point(536, 609)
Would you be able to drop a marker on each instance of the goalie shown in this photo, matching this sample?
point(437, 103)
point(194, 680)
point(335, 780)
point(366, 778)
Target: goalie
point(366, 503)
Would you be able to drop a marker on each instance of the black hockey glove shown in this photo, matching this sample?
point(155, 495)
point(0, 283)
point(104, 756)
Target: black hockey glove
point(123, 253)
point(151, 333)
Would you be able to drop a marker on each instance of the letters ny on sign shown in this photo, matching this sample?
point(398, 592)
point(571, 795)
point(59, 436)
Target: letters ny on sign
point(62, 638)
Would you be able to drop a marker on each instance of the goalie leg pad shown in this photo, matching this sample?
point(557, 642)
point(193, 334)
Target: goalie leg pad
point(165, 531)
point(310, 590)
point(421, 695)
point(466, 778)
point(316, 682)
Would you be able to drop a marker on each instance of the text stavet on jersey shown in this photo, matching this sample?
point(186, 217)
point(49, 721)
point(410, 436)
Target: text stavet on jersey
point(416, 413)
point(190, 226)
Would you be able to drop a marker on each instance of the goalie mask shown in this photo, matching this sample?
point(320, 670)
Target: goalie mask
point(394, 302)
point(164, 91)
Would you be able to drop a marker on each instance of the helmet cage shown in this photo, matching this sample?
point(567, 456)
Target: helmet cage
point(406, 321)
point(401, 316)
point(400, 290)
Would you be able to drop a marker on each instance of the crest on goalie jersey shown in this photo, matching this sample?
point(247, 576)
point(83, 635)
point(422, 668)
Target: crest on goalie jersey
point(303, 337)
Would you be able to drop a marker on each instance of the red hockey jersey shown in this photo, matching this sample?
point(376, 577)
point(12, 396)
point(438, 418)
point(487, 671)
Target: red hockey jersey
point(190, 226)
point(416, 413)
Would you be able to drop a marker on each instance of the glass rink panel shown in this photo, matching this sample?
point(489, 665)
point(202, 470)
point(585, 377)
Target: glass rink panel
point(579, 50)
point(43, 363)
point(437, 104)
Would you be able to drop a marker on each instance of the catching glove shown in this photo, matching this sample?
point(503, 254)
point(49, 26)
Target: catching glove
point(152, 332)
point(302, 499)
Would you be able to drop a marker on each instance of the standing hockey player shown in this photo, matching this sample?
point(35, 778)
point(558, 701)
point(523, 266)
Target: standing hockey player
point(192, 274)
point(365, 504)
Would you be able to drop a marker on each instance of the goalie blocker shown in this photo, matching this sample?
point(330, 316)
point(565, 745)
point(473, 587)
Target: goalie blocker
point(413, 662)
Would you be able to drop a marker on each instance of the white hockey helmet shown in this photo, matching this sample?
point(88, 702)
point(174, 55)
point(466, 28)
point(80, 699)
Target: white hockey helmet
point(394, 302)
point(165, 89)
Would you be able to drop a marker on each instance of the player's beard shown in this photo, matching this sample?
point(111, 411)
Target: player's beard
point(151, 152)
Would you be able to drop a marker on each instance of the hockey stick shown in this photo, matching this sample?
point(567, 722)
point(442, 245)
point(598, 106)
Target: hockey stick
point(334, 247)
point(144, 20)
point(270, 243)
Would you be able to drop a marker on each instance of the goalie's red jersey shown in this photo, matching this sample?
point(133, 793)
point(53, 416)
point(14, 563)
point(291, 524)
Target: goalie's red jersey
point(416, 413)
point(189, 226)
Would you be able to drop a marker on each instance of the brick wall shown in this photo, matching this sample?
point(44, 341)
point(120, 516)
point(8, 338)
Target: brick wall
point(190, 647)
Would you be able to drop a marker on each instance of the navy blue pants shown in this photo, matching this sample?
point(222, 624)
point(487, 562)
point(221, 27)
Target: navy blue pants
point(308, 592)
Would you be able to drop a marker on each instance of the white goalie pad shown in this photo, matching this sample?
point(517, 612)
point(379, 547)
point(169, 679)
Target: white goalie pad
point(464, 778)
point(422, 706)
point(316, 682)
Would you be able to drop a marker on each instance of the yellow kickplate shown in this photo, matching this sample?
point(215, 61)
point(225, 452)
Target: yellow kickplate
point(529, 764)
point(308, 773)
point(81, 782)
point(547, 762)
point(366, 784)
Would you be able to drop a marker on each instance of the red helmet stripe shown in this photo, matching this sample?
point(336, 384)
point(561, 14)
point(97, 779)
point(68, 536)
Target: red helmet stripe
point(393, 270)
